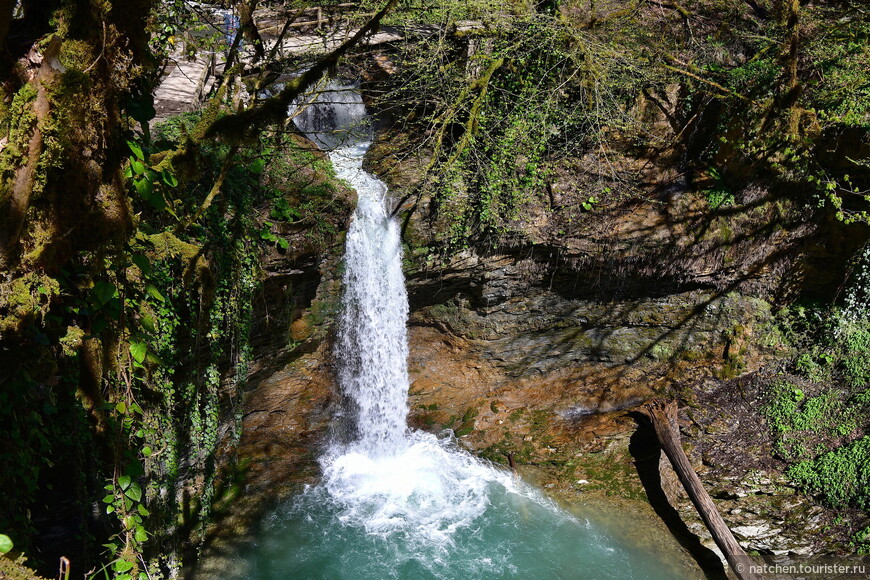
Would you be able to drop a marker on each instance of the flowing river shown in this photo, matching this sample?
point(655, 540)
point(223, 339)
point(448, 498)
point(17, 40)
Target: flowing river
point(396, 503)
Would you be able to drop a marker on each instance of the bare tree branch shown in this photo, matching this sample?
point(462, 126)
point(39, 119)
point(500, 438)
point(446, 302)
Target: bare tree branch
point(274, 110)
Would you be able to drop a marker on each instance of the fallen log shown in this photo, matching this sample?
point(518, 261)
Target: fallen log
point(663, 416)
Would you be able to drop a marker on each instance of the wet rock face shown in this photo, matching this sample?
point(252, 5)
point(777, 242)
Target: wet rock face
point(540, 332)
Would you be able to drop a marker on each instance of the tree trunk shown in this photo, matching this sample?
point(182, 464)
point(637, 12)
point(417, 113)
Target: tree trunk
point(664, 420)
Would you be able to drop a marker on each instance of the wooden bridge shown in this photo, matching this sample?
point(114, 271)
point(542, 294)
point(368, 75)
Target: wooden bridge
point(314, 30)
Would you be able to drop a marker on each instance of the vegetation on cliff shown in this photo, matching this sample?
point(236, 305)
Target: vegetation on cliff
point(726, 93)
point(129, 257)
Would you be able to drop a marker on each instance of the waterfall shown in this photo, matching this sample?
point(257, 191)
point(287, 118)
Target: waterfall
point(394, 502)
point(372, 342)
point(386, 478)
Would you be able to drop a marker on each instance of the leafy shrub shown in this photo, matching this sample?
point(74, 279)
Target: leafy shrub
point(841, 476)
point(803, 426)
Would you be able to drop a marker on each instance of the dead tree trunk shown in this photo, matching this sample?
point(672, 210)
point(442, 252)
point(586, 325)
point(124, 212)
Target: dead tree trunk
point(664, 420)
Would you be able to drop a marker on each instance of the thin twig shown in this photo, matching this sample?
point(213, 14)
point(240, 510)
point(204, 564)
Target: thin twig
point(102, 50)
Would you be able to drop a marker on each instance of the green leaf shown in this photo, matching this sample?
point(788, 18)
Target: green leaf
point(140, 534)
point(148, 323)
point(138, 166)
point(141, 509)
point(283, 243)
point(134, 147)
point(134, 492)
point(154, 293)
point(123, 566)
point(124, 481)
point(257, 165)
point(144, 187)
point(169, 179)
point(110, 509)
point(159, 203)
point(138, 350)
point(122, 406)
point(5, 544)
point(125, 577)
point(142, 262)
point(104, 291)
point(146, 451)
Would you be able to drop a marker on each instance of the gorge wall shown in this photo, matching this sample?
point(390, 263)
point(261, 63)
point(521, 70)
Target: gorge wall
point(536, 352)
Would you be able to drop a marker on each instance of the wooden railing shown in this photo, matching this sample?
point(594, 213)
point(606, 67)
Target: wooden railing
point(207, 73)
point(318, 16)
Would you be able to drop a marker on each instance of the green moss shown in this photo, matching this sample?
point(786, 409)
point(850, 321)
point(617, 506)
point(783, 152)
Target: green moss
point(538, 420)
point(464, 429)
point(16, 569)
point(470, 414)
point(661, 352)
point(76, 54)
point(4, 114)
point(22, 121)
point(733, 367)
point(611, 473)
point(325, 308)
point(25, 299)
point(72, 340)
point(692, 355)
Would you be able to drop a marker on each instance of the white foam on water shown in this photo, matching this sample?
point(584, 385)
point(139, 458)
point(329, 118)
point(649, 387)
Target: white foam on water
point(425, 492)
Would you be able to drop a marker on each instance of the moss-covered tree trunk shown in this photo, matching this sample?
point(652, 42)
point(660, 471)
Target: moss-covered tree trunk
point(68, 70)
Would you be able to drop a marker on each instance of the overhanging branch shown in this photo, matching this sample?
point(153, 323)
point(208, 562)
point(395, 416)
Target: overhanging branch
point(274, 110)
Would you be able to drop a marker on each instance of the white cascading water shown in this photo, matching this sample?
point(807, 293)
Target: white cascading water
point(388, 479)
point(372, 338)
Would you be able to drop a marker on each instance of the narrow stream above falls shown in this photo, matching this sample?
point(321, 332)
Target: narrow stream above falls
point(396, 503)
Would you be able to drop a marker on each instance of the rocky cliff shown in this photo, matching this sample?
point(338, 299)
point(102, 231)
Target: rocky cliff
point(536, 350)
